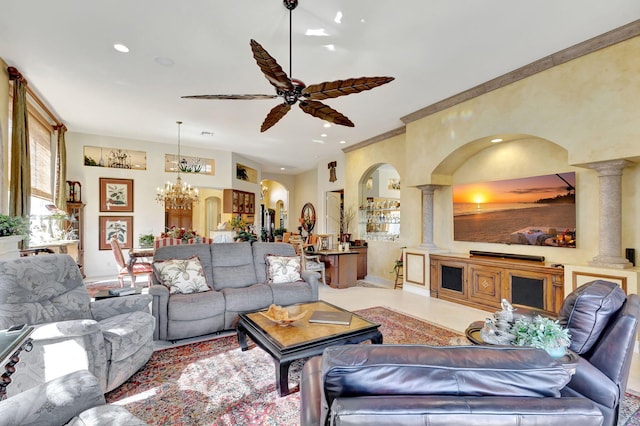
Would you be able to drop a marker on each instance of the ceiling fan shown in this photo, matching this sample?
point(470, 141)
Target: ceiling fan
point(295, 91)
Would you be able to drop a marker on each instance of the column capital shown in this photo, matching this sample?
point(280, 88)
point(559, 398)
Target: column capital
point(429, 188)
point(609, 168)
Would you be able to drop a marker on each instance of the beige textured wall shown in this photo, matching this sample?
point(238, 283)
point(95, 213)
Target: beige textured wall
point(381, 254)
point(583, 111)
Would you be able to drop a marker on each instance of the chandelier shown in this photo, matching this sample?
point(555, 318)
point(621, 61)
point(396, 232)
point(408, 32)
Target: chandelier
point(177, 195)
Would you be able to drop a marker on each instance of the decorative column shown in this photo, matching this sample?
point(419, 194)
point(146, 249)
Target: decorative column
point(610, 197)
point(427, 216)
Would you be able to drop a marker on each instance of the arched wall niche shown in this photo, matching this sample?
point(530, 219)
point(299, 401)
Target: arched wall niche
point(517, 157)
point(377, 214)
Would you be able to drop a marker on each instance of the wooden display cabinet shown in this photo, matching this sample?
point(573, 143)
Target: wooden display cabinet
point(238, 202)
point(75, 226)
point(483, 282)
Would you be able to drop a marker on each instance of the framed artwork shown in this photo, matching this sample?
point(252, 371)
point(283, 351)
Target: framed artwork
point(114, 158)
point(119, 226)
point(116, 195)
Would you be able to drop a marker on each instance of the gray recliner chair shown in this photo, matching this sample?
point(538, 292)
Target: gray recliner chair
point(75, 399)
point(112, 338)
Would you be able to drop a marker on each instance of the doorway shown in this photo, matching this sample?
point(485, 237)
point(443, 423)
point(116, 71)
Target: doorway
point(212, 214)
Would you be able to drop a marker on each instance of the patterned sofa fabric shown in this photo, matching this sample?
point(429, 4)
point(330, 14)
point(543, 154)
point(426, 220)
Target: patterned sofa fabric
point(74, 399)
point(71, 332)
point(237, 273)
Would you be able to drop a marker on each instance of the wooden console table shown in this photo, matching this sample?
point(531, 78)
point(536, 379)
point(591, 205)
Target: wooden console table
point(482, 282)
point(341, 267)
point(11, 344)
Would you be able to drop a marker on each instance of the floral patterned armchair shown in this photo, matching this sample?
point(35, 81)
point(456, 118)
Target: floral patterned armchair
point(112, 338)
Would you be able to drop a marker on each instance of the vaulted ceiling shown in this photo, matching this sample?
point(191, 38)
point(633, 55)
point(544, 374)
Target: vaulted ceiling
point(434, 49)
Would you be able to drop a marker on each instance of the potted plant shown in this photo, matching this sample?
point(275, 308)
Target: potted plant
point(13, 229)
point(278, 233)
point(146, 240)
point(541, 332)
point(347, 216)
point(13, 226)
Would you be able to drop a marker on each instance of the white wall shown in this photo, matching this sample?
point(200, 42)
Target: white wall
point(148, 215)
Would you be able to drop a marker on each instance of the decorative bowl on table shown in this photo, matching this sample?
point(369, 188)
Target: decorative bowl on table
point(282, 316)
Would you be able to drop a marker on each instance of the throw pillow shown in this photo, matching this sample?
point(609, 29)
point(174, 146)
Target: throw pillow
point(282, 269)
point(182, 276)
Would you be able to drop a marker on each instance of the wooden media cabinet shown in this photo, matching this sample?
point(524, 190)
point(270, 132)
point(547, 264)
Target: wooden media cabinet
point(482, 282)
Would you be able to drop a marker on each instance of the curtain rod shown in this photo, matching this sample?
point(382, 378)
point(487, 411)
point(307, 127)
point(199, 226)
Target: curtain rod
point(14, 74)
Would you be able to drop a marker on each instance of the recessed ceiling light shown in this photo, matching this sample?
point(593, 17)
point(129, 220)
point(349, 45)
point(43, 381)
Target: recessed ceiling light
point(324, 135)
point(317, 32)
point(343, 142)
point(338, 18)
point(496, 140)
point(330, 47)
point(327, 124)
point(317, 141)
point(121, 48)
point(282, 168)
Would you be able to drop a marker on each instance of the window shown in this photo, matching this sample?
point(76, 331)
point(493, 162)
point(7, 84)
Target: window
point(40, 146)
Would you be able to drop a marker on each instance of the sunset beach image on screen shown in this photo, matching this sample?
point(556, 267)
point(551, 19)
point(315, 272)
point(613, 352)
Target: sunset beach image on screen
point(536, 210)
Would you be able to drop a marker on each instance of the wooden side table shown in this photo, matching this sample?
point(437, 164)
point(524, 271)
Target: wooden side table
point(11, 344)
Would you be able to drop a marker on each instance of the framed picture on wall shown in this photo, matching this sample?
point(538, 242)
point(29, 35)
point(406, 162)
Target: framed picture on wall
point(120, 227)
point(116, 195)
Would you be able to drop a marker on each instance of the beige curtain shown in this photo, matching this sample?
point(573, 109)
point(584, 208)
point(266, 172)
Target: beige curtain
point(20, 185)
point(60, 197)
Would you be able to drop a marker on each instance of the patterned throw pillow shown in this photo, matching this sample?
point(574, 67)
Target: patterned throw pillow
point(282, 269)
point(181, 276)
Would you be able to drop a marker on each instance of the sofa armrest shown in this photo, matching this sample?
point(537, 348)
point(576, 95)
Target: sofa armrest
point(106, 308)
point(311, 277)
point(311, 392)
point(160, 310)
point(53, 403)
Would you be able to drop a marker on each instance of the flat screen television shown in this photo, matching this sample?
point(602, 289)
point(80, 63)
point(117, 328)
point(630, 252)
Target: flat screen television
point(537, 210)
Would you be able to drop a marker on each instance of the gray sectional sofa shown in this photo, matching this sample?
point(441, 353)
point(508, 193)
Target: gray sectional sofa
point(237, 274)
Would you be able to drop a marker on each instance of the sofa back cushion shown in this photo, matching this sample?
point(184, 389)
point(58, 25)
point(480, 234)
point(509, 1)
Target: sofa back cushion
point(367, 370)
point(42, 289)
point(232, 265)
point(186, 251)
point(588, 310)
point(261, 249)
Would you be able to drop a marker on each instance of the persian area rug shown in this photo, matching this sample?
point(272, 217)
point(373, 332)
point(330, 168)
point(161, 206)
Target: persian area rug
point(215, 383)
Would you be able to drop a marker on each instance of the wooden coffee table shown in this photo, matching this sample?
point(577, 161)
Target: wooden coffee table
point(301, 339)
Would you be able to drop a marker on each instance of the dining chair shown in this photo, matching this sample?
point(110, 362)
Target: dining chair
point(139, 268)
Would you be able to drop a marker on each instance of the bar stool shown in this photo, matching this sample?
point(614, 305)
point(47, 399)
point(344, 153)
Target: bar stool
point(398, 268)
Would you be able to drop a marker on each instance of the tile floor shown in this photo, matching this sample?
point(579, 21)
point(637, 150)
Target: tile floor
point(446, 314)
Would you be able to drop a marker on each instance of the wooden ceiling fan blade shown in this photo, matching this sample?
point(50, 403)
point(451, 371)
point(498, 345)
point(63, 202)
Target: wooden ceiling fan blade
point(226, 97)
point(324, 112)
point(333, 89)
point(274, 116)
point(270, 68)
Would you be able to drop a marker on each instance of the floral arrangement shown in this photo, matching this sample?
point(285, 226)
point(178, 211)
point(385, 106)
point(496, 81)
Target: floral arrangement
point(179, 233)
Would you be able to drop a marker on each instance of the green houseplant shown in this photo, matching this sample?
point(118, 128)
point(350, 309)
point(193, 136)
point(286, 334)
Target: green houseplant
point(146, 240)
point(541, 332)
point(13, 225)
